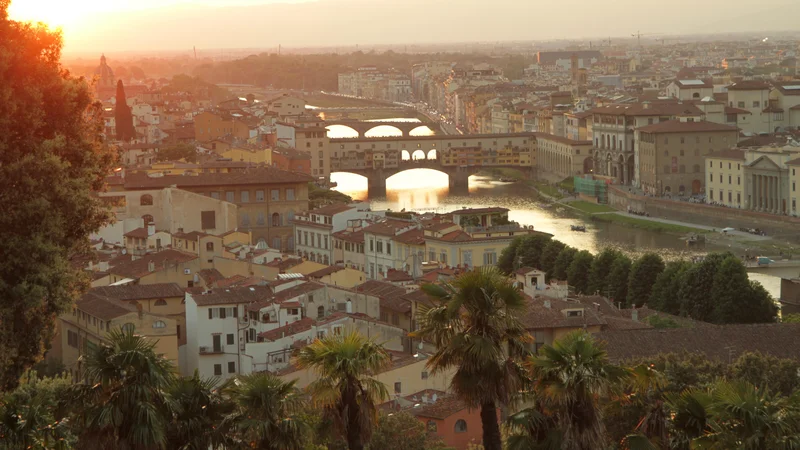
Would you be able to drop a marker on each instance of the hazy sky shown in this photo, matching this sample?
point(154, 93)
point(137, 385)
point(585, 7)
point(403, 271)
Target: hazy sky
point(123, 25)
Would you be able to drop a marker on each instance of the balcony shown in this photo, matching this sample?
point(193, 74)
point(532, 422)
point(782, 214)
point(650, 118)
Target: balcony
point(205, 350)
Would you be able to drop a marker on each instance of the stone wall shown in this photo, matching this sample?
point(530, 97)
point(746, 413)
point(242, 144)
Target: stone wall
point(715, 216)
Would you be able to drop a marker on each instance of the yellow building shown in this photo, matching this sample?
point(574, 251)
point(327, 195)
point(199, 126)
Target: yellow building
point(91, 319)
point(249, 155)
point(725, 183)
point(345, 277)
point(166, 266)
point(406, 375)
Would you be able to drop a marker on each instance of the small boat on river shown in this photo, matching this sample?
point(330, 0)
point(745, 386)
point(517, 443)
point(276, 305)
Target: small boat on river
point(581, 228)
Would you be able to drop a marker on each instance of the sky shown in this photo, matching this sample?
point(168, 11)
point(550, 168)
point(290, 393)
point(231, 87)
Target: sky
point(145, 25)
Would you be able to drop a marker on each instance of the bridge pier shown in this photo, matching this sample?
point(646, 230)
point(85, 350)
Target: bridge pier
point(459, 182)
point(376, 184)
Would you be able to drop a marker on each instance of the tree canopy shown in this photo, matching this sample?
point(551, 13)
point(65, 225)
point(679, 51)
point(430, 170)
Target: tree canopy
point(52, 159)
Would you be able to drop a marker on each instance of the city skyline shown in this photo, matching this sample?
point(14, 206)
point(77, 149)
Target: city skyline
point(94, 26)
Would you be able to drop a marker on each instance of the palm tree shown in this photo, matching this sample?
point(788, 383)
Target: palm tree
point(746, 417)
point(570, 378)
point(265, 415)
point(345, 388)
point(124, 403)
point(474, 326)
point(199, 411)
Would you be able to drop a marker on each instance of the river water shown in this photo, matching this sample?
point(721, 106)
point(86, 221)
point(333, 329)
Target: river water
point(424, 190)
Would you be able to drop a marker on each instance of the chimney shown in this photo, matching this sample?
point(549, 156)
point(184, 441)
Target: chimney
point(139, 309)
point(151, 266)
point(151, 229)
point(635, 315)
point(547, 304)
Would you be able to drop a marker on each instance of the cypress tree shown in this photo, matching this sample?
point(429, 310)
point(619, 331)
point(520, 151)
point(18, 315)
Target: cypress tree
point(123, 116)
point(643, 276)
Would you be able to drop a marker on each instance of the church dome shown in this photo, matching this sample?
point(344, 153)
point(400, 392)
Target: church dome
point(104, 74)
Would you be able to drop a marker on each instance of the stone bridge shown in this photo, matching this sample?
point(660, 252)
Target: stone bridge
point(381, 170)
point(362, 127)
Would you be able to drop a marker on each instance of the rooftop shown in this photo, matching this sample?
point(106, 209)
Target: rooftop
point(749, 85)
point(138, 291)
point(233, 296)
point(720, 342)
point(675, 126)
point(256, 176)
point(539, 315)
point(141, 267)
point(104, 308)
point(727, 154)
point(390, 295)
point(441, 409)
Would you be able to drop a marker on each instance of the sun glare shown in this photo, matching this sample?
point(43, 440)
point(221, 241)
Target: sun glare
point(59, 13)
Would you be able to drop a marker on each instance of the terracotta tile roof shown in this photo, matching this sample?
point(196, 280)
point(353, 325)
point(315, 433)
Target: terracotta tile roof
point(623, 323)
point(794, 162)
point(287, 295)
point(210, 276)
point(730, 153)
point(453, 236)
point(119, 259)
point(412, 237)
point(390, 296)
point(524, 270)
point(140, 233)
point(782, 87)
point(190, 236)
point(103, 307)
point(325, 271)
point(540, 316)
point(138, 291)
point(720, 342)
point(388, 227)
point(293, 328)
point(732, 110)
point(666, 108)
point(233, 296)
point(350, 236)
point(256, 176)
point(705, 84)
point(475, 211)
point(139, 268)
point(284, 264)
point(443, 408)
point(419, 296)
point(675, 126)
point(329, 210)
point(397, 276)
point(230, 281)
point(772, 108)
point(561, 139)
point(749, 85)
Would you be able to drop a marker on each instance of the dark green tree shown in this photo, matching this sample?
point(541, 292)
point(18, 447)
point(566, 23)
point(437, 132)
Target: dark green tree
point(601, 267)
point(31, 416)
point(734, 299)
point(563, 262)
point(123, 117)
point(617, 285)
point(763, 307)
point(697, 283)
point(578, 271)
point(403, 431)
point(776, 374)
point(549, 254)
point(51, 162)
point(187, 152)
point(508, 262)
point(643, 275)
point(530, 250)
point(664, 296)
point(199, 411)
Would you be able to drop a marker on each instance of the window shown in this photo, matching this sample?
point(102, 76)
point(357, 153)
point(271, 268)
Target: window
point(431, 426)
point(371, 245)
point(739, 180)
point(209, 246)
point(711, 177)
point(215, 195)
point(208, 220)
point(231, 367)
point(398, 387)
point(230, 196)
point(217, 369)
point(461, 426)
point(259, 196)
point(395, 319)
point(229, 339)
point(424, 375)
point(245, 220)
point(128, 327)
point(740, 104)
point(276, 220)
point(72, 338)
point(161, 302)
point(380, 246)
point(245, 196)
point(730, 197)
point(159, 324)
point(260, 218)
point(289, 194)
point(275, 194)
point(756, 104)
point(146, 200)
point(711, 164)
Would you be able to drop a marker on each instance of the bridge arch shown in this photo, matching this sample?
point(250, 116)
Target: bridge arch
point(341, 131)
point(422, 130)
point(382, 130)
point(432, 154)
point(405, 156)
point(418, 155)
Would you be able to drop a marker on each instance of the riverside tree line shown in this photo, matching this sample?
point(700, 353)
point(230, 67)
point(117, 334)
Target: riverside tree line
point(716, 289)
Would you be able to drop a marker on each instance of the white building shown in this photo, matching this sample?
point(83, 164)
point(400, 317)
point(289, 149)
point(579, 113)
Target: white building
point(313, 230)
point(379, 248)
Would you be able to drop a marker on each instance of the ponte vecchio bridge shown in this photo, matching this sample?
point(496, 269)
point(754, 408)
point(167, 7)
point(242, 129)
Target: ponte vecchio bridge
point(362, 127)
point(459, 156)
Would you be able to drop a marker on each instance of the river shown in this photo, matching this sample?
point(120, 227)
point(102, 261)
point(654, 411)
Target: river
point(425, 190)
